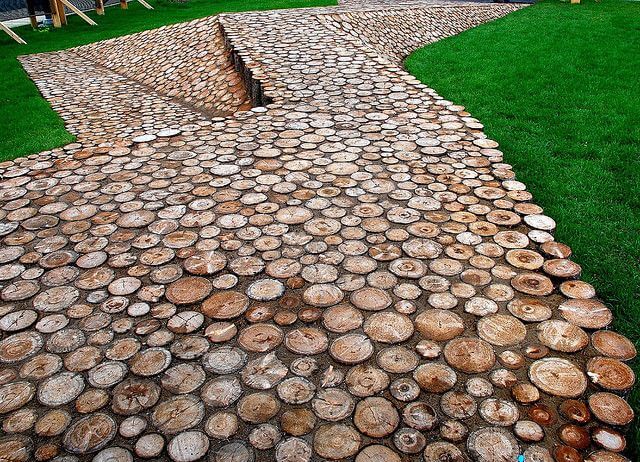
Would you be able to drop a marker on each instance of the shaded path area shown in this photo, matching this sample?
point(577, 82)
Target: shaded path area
point(324, 260)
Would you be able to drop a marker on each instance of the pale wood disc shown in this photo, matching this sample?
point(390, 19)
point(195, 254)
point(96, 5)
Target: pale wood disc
point(499, 412)
point(365, 380)
point(342, 318)
point(296, 390)
point(491, 444)
point(577, 289)
point(470, 355)
point(20, 346)
point(441, 450)
point(177, 414)
point(150, 362)
point(377, 453)
point(420, 415)
point(351, 349)
point(60, 389)
point(530, 309)
point(222, 425)
point(188, 446)
point(371, 299)
point(336, 441)
point(435, 377)
point(306, 341)
point(376, 417)
point(558, 377)
point(322, 295)
point(501, 330)
point(524, 259)
point(532, 284)
point(608, 439)
point(14, 395)
point(333, 404)
point(208, 262)
point(562, 268)
point(397, 360)
point(221, 391)
point(293, 450)
point(590, 314)
point(439, 325)
point(183, 378)
point(388, 327)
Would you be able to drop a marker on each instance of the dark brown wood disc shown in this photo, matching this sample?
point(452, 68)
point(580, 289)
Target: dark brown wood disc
point(20, 346)
point(336, 441)
point(590, 314)
point(610, 373)
point(225, 305)
point(558, 377)
point(133, 396)
point(188, 290)
point(297, 422)
point(470, 355)
point(575, 410)
point(614, 345)
point(439, 325)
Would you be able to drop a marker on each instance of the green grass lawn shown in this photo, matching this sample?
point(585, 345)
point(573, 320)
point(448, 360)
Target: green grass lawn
point(558, 86)
point(29, 125)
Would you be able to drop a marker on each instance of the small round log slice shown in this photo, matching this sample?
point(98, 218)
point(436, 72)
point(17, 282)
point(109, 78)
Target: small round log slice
point(501, 330)
point(491, 444)
point(225, 305)
point(188, 290)
point(610, 373)
point(442, 451)
point(439, 325)
point(258, 407)
point(562, 336)
point(351, 349)
point(388, 327)
point(90, 434)
point(590, 314)
point(377, 453)
point(614, 345)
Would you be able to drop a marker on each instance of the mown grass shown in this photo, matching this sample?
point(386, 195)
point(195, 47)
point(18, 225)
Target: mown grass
point(29, 125)
point(557, 86)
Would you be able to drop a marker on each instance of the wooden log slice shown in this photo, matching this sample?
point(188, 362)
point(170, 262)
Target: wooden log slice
point(260, 337)
point(528, 431)
point(150, 362)
point(293, 450)
point(205, 262)
point(491, 444)
point(16, 448)
point(183, 378)
point(258, 407)
point(264, 372)
point(458, 405)
point(577, 289)
point(89, 434)
point(342, 318)
point(530, 309)
point(610, 373)
point(606, 456)
point(149, 445)
point(575, 436)
point(470, 355)
point(265, 289)
point(404, 389)
point(439, 325)
point(306, 341)
point(608, 439)
point(297, 422)
point(524, 259)
point(532, 284)
point(188, 446)
point(419, 415)
point(409, 440)
point(499, 412)
point(388, 327)
point(293, 215)
point(371, 299)
point(222, 425)
point(556, 249)
point(435, 377)
point(20, 346)
point(188, 290)
point(107, 374)
point(562, 268)
point(133, 396)
point(336, 441)
point(590, 314)
point(225, 305)
point(441, 450)
point(60, 389)
point(19, 290)
point(14, 395)
point(296, 390)
point(221, 391)
point(562, 336)
point(365, 380)
point(333, 404)
point(351, 349)
point(397, 360)
point(575, 410)
point(614, 345)
point(377, 453)
point(177, 414)
point(220, 332)
point(558, 377)
point(234, 452)
point(18, 320)
point(501, 330)
point(224, 360)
